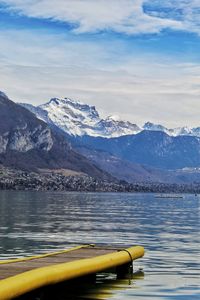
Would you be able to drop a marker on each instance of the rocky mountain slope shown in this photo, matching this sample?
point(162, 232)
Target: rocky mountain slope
point(151, 148)
point(28, 143)
point(134, 172)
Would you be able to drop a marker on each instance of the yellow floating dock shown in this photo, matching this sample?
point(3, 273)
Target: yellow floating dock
point(20, 276)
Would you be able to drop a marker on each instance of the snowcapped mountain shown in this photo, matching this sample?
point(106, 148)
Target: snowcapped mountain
point(79, 119)
point(114, 127)
point(27, 143)
point(154, 127)
point(173, 132)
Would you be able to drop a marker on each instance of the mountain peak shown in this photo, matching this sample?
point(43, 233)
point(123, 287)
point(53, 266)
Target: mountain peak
point(77, 119)
point(65, 100)
point(72, 101)
point(154, 127)
point(71, 104)
point(114, 118)
point(148, 124)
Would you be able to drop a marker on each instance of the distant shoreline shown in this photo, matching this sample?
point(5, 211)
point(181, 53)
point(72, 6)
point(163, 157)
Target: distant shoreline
point(17, 180)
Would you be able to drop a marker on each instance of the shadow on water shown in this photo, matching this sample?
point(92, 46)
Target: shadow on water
point(103, 286)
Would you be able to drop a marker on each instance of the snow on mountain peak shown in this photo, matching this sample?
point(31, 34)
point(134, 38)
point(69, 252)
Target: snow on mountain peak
point(78, 119)
point(154, 127)
point(73, 117)
point(182, 131)
point(113, 118)
point(72, 106)
point(173, 131)
point(65, 100)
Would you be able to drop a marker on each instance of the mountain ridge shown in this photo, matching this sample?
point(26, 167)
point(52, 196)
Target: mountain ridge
point(78, 119)
point(150, 154)
point(28, 143)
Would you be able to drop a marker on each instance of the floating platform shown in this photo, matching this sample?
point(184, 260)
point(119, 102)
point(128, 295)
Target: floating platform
point(169, 196)
point(24, 275)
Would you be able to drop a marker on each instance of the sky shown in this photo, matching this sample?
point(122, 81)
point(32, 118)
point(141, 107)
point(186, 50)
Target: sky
point(136, 59)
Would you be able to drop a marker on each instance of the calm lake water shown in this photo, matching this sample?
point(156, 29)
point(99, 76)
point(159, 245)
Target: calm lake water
point(35, 222)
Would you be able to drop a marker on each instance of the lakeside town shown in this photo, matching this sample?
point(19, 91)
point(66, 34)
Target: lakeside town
point(11, 179)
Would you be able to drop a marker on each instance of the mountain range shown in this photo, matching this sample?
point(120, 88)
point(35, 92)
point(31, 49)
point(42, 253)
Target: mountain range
point(125, 150)
point(68, 134)
point(79, 119)
point(28, 143)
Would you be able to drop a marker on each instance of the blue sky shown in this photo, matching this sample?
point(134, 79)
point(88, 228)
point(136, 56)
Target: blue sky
point(137, 59)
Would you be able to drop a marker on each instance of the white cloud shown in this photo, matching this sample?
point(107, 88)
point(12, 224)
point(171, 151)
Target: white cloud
point(136, 88)
point(167, 99)
point(38, 48)
point(171, 109)
point(36, 65)
point(125, 16)
point(185, 11)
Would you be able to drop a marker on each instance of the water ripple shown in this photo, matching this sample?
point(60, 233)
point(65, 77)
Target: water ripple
point(36, 222)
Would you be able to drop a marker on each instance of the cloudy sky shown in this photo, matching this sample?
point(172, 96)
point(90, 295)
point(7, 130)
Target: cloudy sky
point(134, 58)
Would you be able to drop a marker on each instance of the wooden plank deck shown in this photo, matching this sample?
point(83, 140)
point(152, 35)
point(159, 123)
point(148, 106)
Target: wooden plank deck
point(22, 276)
point(15, 268)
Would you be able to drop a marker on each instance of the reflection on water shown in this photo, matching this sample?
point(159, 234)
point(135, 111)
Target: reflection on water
point(33, 222)
point(105, 287)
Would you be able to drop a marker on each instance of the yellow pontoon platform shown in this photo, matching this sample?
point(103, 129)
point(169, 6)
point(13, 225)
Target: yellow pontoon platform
point(20, 276)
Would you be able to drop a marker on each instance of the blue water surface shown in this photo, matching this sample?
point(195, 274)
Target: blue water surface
point(36, 222)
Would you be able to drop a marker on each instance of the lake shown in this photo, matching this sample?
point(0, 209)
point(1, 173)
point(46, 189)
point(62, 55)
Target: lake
point(36, 222)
